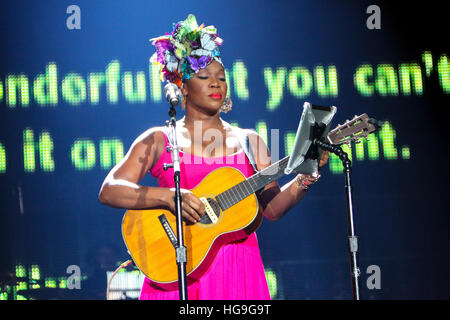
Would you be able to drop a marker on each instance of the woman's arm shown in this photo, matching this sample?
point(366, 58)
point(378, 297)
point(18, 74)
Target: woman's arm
point(121, 187)
point(276, 201)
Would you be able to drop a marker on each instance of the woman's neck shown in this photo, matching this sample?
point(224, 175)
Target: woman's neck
point(208, 121)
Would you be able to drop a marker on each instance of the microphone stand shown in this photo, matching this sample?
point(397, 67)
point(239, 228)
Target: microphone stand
point(180, 248)
point(352, 239)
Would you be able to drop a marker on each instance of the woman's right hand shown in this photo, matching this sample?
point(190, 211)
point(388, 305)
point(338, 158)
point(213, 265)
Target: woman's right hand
point(191, 206)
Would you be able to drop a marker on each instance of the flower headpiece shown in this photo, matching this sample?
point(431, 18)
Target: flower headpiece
point(186, 50)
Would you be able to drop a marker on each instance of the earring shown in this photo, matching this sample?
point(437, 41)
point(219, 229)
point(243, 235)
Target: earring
point(183, 102)
point(227, 105)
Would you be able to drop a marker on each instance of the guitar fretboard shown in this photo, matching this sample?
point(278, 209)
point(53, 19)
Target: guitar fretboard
point(254, 183)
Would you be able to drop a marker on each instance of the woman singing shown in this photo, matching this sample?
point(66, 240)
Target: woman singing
point(189, 57)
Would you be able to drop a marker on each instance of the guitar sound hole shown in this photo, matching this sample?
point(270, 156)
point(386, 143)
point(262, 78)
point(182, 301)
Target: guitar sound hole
point(205, 219)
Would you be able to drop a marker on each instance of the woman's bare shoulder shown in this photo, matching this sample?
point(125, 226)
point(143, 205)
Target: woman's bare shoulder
point(154, 135)
point(141, 156)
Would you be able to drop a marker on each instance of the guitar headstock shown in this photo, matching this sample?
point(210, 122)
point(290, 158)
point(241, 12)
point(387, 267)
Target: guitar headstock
point(352, 130)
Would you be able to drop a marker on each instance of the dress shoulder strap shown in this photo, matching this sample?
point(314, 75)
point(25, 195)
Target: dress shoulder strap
point(167, 133)
point(245, 143)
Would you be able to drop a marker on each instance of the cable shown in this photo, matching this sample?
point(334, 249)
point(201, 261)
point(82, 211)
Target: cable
point(123, 265)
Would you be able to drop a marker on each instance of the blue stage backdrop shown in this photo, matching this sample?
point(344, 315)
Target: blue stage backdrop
point(76, 88)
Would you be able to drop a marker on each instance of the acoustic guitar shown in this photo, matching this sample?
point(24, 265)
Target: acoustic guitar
point(232, 213)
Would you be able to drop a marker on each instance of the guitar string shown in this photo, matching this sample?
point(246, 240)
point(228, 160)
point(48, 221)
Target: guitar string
point(240, 191)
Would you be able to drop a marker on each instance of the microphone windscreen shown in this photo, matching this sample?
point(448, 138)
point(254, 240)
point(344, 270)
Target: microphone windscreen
point(171, 93)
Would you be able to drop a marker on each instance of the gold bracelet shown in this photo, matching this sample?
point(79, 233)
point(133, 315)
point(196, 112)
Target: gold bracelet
point(305, 181)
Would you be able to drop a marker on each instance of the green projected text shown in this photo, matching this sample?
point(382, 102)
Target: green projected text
point(38, 154)
point(86, 154)
point(115, 84)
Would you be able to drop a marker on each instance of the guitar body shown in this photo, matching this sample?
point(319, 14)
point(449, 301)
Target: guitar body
point(154, 253)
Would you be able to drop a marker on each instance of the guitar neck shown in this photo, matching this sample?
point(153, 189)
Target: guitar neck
point(358, 127)
point(254, 183)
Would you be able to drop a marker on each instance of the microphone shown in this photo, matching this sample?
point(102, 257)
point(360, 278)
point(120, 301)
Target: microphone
point(171, 91)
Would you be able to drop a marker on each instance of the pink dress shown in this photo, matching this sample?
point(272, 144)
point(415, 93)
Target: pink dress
point(237, 271)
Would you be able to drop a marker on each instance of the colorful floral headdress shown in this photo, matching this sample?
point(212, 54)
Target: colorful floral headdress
point(186, 50)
